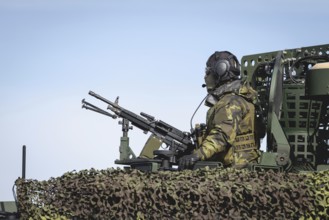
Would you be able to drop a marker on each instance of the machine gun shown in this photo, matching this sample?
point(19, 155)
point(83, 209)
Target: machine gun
point(177, 141)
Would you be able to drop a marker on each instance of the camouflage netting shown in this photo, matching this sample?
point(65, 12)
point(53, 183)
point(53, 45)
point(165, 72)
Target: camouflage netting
point(200, 194)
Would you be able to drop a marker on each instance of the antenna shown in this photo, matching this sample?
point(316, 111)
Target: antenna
point(23, 162)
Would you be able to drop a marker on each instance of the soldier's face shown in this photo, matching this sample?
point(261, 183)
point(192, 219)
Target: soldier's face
point(211, 79)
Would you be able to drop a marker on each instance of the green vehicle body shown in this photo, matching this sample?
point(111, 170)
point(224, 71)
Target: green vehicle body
point(294, 98)
point(8, 210)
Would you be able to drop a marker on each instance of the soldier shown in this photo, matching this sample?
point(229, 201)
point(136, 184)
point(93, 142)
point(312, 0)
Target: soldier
point(230, 132)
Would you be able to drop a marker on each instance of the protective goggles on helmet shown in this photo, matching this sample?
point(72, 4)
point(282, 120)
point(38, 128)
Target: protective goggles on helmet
point(209, 70)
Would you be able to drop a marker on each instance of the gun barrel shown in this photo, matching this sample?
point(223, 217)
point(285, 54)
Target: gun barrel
point(102, 99)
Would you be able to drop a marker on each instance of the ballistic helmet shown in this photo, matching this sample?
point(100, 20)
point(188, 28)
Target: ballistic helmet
point(221, 67)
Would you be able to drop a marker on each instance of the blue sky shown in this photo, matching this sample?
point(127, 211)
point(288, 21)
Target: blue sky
point(150, 53)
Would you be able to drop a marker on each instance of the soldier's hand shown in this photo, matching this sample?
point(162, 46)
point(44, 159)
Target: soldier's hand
point(188, 161)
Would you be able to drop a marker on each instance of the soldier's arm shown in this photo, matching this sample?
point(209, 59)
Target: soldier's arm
point(226, 121)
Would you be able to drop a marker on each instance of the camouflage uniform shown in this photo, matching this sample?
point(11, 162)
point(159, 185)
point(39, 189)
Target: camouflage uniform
point(230, 134)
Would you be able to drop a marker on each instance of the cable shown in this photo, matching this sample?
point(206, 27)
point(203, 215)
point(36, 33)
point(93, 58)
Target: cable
point(15, 197)
point(307, 58)
point(196, 111)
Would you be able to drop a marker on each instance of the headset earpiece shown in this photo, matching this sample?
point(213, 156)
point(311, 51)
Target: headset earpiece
point(222, 67)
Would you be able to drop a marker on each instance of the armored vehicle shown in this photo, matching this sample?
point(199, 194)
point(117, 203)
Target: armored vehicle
point(293, 112)
point(293, 93)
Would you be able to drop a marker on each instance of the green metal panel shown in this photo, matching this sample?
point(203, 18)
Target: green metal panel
point(8, 206)
point(299, 119)
point(302, 148)
point(303, 120)
point(299, 113)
